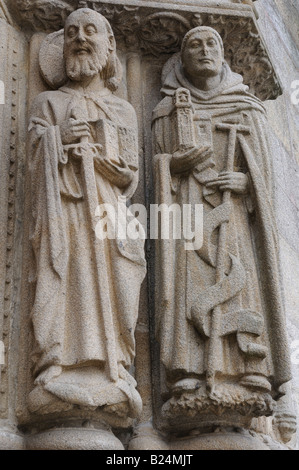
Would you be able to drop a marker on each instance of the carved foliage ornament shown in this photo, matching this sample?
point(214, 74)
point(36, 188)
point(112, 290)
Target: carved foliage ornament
point(43, 14)
point(161, 32)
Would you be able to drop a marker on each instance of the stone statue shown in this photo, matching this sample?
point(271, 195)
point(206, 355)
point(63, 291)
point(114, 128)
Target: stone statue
point(219, 312)
point(83, 152)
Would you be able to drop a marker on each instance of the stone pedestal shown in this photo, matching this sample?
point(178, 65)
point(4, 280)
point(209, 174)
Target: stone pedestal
point(11, 441)
point(67, 438)
point(220, 438)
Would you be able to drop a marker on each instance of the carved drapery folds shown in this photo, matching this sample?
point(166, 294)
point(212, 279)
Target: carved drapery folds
point(158, 31)
point(4, 13)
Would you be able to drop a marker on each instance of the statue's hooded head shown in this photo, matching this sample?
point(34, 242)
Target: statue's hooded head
point(89, 48)
point(202, 52)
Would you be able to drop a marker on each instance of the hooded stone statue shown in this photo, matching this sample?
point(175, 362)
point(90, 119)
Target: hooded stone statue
point(219, 310)
point(83, 153)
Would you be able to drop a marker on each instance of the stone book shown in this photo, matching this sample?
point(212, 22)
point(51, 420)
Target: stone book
point(117, 141)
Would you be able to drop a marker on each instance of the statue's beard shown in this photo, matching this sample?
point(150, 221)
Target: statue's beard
point(79, 67)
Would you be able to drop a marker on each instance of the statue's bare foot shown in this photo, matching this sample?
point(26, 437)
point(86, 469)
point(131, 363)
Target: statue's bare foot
point(256, 382)
point(48, 375)
point(185, 385)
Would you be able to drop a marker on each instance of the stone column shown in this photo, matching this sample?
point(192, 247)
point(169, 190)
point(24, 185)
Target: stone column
point(13, 66)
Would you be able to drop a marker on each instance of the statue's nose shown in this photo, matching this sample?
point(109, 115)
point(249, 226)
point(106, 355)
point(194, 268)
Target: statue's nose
point(204, 49)
point(81, 35)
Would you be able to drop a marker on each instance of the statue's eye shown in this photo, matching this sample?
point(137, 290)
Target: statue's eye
point(211, 43)
point(194, 44)
point(71, 32)
point(90, 30)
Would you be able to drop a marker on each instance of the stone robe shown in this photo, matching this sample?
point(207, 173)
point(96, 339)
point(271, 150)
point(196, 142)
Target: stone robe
point(68, 314)
point(253, 339)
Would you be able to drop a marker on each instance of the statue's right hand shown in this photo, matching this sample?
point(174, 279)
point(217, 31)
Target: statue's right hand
point(189, 159)
point(72, 130)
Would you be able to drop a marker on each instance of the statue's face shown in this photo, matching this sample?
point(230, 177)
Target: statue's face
point(86, 45)
point(202, 56)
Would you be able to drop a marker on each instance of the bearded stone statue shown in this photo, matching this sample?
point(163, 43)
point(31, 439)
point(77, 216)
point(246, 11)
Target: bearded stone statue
point(83, 152)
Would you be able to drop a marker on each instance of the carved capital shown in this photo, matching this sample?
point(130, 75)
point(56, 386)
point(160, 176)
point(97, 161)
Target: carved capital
point(158, 29)
point(43, 15)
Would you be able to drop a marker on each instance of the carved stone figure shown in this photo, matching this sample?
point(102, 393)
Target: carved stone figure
point(220, 319)
point(83, 152)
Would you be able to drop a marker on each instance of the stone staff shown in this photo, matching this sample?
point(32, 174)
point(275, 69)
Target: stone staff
point(215, 338)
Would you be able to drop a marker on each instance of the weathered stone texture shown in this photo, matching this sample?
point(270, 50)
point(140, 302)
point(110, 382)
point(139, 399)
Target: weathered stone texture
point(279, 23)
point(13, 70)
point(266, 52)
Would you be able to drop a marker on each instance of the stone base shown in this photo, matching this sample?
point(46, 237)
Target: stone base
point(199, 409)
point(219, 441)
point(148, 438)
point(73, 439)
point(145, 437)
point(11, 441)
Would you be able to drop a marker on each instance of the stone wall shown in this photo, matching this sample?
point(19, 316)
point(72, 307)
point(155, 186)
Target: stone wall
point(279, 23)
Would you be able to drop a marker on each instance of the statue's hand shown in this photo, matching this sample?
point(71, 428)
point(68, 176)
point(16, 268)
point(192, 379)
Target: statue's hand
point(188, 160)
point(233, 181)
point(84, 150)
point(72, 130)
point(118, 174)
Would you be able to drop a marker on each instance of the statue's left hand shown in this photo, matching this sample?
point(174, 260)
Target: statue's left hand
point(236, 182)
point(118, 174)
